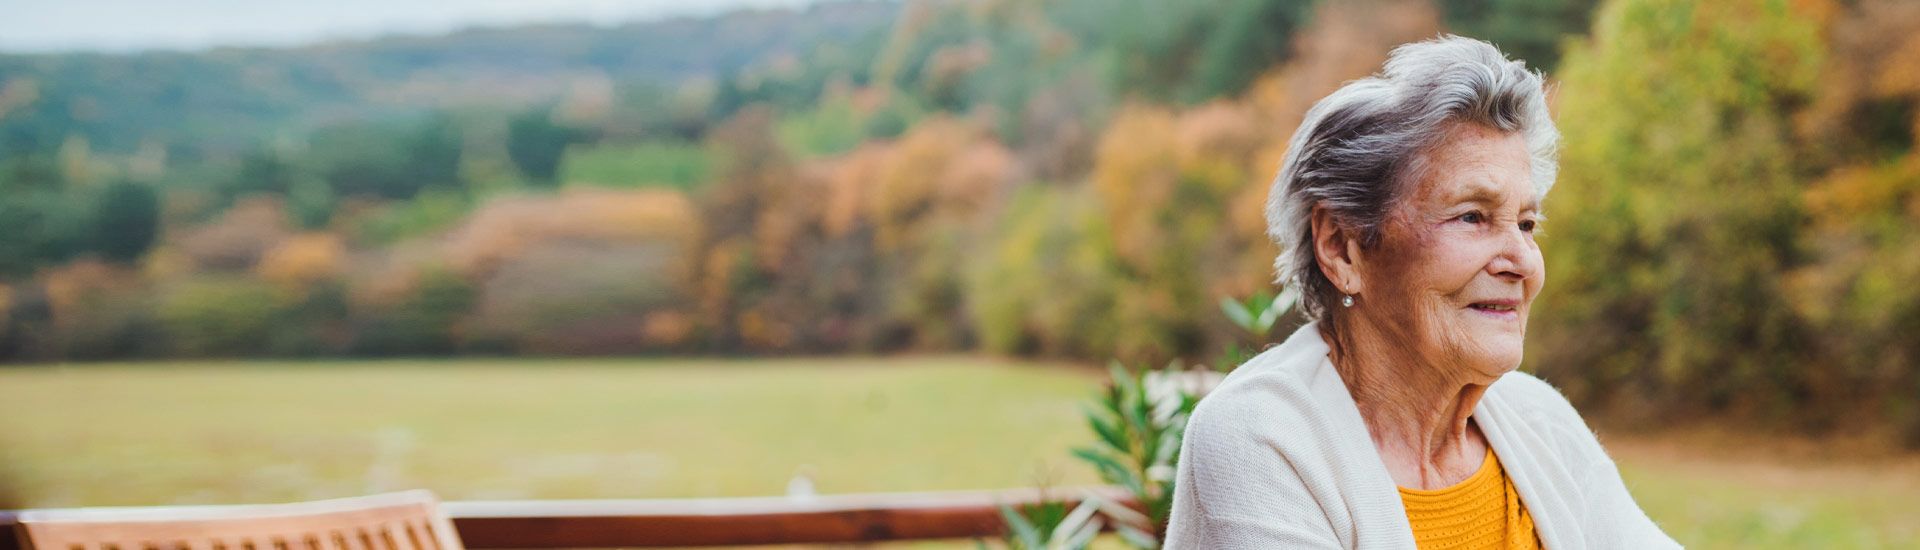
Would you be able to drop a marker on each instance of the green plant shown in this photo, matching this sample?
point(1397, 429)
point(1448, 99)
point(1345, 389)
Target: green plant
point(1258, 313)
point(205, 317)
point(425, 322)
point(1256, 317)
point(1140, 420)
point(1049, 525)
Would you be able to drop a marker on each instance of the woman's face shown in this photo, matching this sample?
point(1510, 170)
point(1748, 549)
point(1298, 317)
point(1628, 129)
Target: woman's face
point(1458, 268)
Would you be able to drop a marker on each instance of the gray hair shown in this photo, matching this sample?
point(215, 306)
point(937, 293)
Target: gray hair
point(1357, 148)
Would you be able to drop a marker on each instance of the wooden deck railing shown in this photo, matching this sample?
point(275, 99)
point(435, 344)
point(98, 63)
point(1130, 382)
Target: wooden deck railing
point(727, 521)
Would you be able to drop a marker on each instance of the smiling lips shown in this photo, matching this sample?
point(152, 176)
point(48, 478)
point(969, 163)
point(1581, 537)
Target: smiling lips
point(1501, 308)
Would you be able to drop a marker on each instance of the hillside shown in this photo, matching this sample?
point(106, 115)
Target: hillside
point(223, 100)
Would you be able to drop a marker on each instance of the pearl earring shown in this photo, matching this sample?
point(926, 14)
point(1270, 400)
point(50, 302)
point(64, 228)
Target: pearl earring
point(1347, 301)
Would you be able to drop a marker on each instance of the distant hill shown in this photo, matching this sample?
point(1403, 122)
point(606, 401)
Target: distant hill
point(226, 99)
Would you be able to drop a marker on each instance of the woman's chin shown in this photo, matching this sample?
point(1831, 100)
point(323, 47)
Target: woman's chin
point(1498, 356)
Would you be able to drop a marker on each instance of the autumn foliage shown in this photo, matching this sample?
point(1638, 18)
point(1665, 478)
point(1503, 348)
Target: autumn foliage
point(1733, 232)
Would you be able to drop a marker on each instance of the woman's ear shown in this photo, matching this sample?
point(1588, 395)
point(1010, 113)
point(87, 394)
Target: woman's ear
point(1338, 252)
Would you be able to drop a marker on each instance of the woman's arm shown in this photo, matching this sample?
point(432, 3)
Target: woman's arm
point(1234, 491)
point(1618, 521)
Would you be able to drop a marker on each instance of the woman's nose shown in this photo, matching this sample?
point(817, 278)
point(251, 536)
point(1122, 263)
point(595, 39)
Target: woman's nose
point(1517, 259)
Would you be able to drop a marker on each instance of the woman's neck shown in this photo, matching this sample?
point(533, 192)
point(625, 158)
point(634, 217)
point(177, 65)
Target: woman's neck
point(1418, 414)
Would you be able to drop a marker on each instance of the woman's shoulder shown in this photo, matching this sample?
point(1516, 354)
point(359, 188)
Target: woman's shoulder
point(1523, 398)
point(1251, 401)
point(1278, 386)
point(1531, 394)
point(1287, 400)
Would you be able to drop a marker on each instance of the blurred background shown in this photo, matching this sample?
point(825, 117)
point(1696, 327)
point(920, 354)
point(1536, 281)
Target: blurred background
point(278, 250)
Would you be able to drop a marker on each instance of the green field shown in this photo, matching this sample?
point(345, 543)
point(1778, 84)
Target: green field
point(656, 428)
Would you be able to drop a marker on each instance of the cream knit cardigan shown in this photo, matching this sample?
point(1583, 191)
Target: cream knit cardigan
point(1278, 457)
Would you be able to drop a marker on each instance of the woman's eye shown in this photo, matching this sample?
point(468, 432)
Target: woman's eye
point(1528, 225)
point(1471, 217)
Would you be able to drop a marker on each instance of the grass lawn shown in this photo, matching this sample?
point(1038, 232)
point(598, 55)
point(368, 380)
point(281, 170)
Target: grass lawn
point(513, 429)
point(654, 428)
point(1732, 490)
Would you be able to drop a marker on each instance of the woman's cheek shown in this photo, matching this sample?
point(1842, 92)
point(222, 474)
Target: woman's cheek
point(1461, 258)
point(1539, 279)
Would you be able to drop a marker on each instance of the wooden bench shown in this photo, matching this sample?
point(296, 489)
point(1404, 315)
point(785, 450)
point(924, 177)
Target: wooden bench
point(409, 520)
point(696, 522)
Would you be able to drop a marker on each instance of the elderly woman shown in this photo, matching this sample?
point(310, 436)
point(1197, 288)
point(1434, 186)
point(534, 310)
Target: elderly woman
point(1406, 212)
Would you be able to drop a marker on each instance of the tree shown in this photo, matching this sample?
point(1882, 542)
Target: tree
point(1530, 30)
point(535, 143)
point(433, 154)
point(388, 161)
point(1678, 207)
point(40, 222)
point(127, 221)
point(1858, 289)
point(261, 171)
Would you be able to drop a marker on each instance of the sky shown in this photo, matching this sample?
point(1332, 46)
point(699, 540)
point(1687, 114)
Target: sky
point(132, 25)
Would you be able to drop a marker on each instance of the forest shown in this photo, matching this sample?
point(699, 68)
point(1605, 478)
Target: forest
point(1735, 232)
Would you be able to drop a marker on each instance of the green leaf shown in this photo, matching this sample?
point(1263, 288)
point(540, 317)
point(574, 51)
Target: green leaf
point(1076, 526)
point(1137, 537)
point(1108, 433)
point(1123, 381)
point(1139, 413)
point(1124, 515)
point(1169, 447)
point(1112, 471)
point(1268, 314)
point(1237, 313)
point(1083, 537)
point(1024, 532)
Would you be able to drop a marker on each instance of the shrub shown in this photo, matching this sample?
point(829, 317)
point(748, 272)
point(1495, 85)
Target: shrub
point(432, 210)
point(427, 320)
point(303, 260)
point(1044, 282)
point(217, 316)
point(99, 311)
point(1678, 209)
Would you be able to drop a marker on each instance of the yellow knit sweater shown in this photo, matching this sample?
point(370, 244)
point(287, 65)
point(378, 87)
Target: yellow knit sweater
point(1481, 512)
